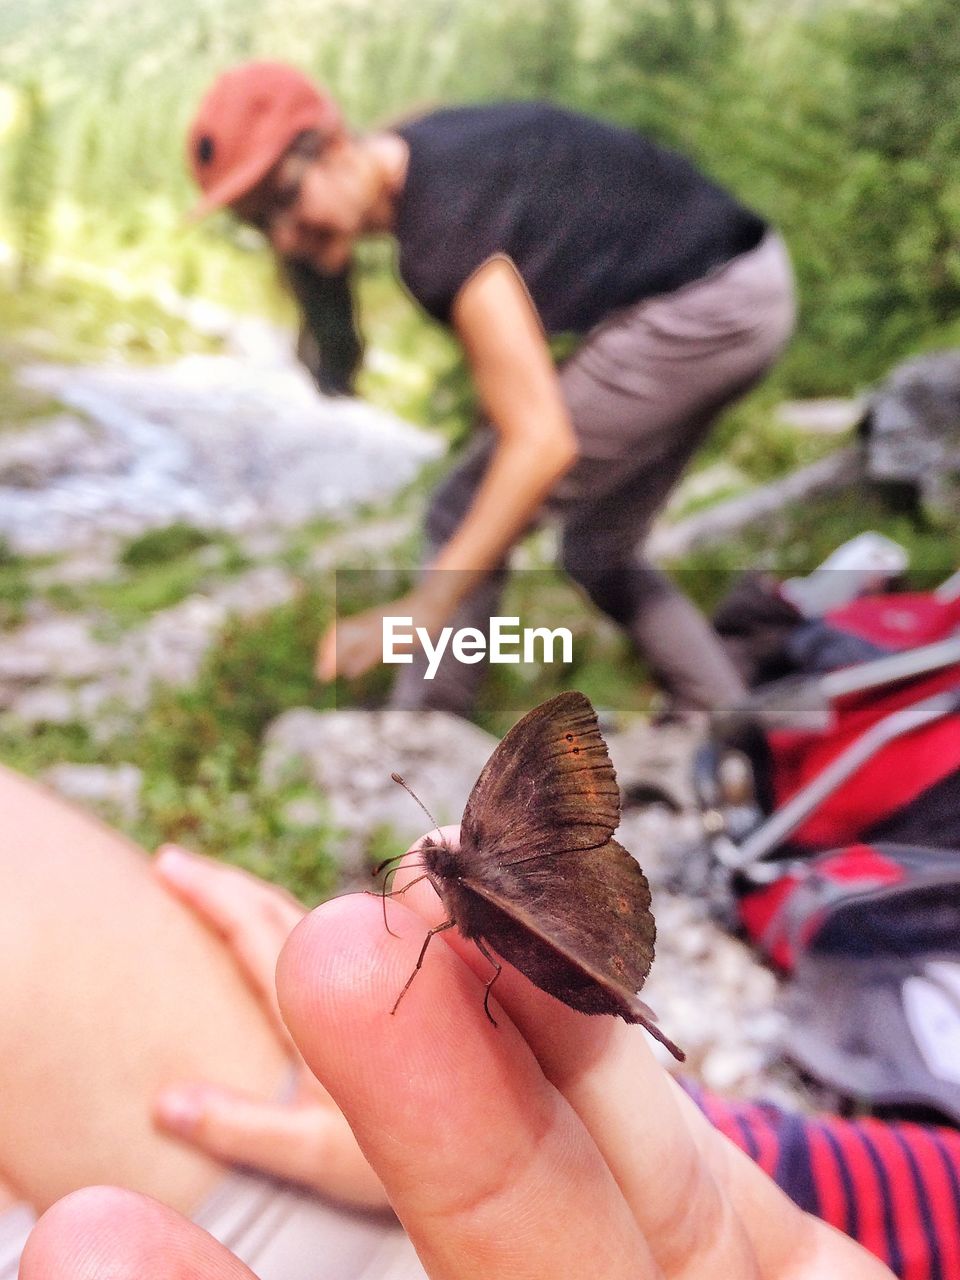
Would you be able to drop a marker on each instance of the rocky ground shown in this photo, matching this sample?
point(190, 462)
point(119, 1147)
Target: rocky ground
point(212, 440)
point(226, 444)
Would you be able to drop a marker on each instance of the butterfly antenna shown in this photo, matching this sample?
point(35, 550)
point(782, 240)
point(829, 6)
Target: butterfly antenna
point(381, 866)
point(396, 777)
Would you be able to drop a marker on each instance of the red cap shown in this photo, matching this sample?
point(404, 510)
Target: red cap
point(244, 124)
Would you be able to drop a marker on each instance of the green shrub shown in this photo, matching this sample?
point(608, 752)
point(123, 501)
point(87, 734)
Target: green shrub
point(157, 546)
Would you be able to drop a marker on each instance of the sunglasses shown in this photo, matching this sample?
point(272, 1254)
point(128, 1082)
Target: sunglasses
point(280, 198)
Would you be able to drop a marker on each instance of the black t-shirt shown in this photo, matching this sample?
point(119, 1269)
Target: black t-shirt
point(594, 217)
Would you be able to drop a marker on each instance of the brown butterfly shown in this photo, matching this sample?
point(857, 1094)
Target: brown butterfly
point(538, 874)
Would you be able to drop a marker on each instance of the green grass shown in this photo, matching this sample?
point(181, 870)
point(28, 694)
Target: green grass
point(20, 406)
point(749, 437)
point(159, 545)
point(199, 751)
point(73, 321)
point(158, 570)
point(800, 537)
point(33, 748)
point(200, 748)
point(14, 587)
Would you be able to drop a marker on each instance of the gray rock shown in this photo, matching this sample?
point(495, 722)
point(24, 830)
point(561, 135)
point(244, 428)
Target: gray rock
point(228, 443)
point(349, 756)
point(305, 812)
point(170, 648)
point(92, 564)
point(375, 542)
point(912, 429)
point(656, 756)
point(255, 592)
point(112, 792)
point(37, 456)
point(53, 672)
point(716, 999)
point(58, 647)
point(728, 519)
point(713, 995)
point(821, 417)
point(45, 704)
point(719, 480)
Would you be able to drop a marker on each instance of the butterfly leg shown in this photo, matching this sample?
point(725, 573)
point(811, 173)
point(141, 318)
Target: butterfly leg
point(383, 895)
point(498, 967)
point(439, 928)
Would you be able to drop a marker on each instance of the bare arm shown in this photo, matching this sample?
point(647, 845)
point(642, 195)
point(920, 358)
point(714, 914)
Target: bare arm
point(518, 386)
point(514, 374)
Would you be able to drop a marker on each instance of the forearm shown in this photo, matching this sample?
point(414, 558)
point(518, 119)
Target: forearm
point(522, 472)
point(519, 389)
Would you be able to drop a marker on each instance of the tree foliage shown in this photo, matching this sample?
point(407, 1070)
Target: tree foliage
point(31, 181)
point(902, 186)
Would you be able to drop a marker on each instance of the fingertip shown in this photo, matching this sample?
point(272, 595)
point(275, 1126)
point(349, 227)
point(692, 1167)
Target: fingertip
point(179, 1110)
point(58, 1244)
point(338, 980)
point(172, 863)
point(334, 953)
point(107, 1231)
point(444, 1105)
point(399, 1080)
point(171, 848)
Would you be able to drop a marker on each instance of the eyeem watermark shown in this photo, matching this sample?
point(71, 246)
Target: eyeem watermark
point(507, 642)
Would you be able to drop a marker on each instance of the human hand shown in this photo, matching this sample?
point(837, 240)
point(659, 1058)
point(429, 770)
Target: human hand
point(551, 1146)
point(305, 1138)
point(352, 646)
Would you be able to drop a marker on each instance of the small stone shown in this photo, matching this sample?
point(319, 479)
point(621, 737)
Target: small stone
point(46, 704)
point(112, 792)
point(58, 646)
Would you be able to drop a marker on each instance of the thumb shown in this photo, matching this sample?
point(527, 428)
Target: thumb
point(309, 1144)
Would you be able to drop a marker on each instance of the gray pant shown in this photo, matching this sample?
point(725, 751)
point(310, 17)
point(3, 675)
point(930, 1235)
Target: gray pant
point(643, 390)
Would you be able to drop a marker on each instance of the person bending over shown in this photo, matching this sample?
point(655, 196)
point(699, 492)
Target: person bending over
point(515, 223)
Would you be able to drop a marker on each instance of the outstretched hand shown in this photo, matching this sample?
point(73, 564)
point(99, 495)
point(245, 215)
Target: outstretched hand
point(354, 645)
point(350, 647)
point(553, 1145)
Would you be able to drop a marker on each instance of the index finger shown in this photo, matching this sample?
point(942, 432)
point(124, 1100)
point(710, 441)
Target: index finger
point(487, 1166)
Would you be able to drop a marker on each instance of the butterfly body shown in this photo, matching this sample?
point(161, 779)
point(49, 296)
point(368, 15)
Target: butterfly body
point(538, 875)
point(446, 868)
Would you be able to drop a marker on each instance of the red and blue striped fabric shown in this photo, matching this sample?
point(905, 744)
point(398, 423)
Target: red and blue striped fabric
point(894, 1187)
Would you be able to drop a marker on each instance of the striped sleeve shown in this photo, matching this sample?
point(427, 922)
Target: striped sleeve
point(894, 1187)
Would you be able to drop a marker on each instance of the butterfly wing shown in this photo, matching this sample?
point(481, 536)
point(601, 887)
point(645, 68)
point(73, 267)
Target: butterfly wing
point(548, 788)
point(595, 958)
